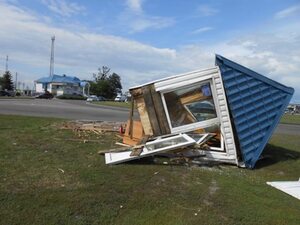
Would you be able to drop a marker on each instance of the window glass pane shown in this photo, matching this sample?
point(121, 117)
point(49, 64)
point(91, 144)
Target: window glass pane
point(212, 139)
point(166, 143)
point(190, 105)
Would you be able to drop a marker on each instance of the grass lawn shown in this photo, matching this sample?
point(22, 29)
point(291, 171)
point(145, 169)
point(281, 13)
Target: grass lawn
point(291, 119)
point(45, 179)
point(16, 97)
point(112, 103)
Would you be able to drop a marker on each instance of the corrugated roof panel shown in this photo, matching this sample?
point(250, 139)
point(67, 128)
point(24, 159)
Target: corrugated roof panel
point(256, 104)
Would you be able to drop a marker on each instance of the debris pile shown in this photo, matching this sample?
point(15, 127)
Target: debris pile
point(86, 129)
point(96, 126)
point(223, 114)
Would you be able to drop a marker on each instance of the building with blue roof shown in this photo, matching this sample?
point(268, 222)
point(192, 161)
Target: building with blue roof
point(62, 84)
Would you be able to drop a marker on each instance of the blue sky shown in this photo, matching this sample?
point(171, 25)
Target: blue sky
point(144, 40)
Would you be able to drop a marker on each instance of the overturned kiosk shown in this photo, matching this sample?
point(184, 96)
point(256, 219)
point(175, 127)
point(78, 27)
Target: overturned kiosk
point(224, 114)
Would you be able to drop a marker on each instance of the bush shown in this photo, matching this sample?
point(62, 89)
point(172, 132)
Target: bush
point(71, 97)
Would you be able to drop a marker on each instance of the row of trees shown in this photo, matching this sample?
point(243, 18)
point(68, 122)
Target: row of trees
point(6, 82)
point(105, 83)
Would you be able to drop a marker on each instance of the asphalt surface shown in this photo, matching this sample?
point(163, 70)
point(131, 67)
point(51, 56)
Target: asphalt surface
point(68, 109)
point(81, 110)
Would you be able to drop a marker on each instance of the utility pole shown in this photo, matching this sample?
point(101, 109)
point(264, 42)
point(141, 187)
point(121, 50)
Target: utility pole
point(6, 66)
point(52, 57)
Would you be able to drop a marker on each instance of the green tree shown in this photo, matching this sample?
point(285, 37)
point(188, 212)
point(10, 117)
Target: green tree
point(1, 83)
point(106, 84)
point(6, 81)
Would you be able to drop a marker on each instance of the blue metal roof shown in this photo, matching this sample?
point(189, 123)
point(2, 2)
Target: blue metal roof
point(59, 79)
point(256, 105)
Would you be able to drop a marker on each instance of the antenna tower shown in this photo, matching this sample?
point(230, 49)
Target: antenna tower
point(52, 56)
point(6, 65)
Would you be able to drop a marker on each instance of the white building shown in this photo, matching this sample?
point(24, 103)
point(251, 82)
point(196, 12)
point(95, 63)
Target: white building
point(62, 84)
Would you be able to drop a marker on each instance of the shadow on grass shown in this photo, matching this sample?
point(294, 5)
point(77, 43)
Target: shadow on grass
point(273, 154)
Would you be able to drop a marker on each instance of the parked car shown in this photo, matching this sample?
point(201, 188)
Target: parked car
point(92, 98)
point(120, 98)
point(46, 95)
point(4, 93)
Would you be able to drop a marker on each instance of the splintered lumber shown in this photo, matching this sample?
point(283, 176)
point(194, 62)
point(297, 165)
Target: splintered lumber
point(192, 97)
point(137, 133)
point(151, 111)
point(121, 144)
point(95, 126)
point(141, 107)
point(138, 151)
point(131, 119)
point(160, 112)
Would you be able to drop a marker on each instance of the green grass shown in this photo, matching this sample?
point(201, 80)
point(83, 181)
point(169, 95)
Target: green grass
point(35, 190)
point(112, 103)
point(16, 97)
point(290, 119)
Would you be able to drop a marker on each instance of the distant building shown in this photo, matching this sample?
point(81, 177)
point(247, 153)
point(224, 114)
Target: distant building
point(62, 84)
point(293, 108)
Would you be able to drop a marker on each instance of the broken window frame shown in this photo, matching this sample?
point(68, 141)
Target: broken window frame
point(199, 124)
point(124, 156)
point(187, 138)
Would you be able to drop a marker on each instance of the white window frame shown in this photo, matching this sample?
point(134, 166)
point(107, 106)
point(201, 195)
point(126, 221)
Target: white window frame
point(200, 124)
point(192, 126)
point(119, 157)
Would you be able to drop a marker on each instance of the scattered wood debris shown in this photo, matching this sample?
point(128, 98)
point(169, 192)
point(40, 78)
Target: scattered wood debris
point(98, 127)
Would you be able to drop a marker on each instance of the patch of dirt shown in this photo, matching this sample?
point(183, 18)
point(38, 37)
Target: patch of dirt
point(213, 187)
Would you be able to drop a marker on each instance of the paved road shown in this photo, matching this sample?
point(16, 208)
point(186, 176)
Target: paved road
point(72, 109)
point(69, 109)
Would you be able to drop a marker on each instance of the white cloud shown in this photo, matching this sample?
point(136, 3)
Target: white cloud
point(137, 20)
point(148, 22)
point(64, 8)
point(135, 5)
point(202, 30)
point(206, 10)
point(293, 10)
point(26, 39)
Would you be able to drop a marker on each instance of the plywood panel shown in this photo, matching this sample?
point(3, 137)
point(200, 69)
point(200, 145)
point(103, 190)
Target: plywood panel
point(151, 111)
point(141, 107)
point(160, 112)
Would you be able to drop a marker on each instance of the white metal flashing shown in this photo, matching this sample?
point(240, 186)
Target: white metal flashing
point(290, 187)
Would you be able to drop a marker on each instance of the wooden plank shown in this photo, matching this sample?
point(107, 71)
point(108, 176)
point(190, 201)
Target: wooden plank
point(131, 118)
point(192, 97)
point(137, 133)
point(138, 151)
point(130, 141)
point(151, 111)
point(136, 92)
point(140, 104)
point(160, 111)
